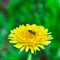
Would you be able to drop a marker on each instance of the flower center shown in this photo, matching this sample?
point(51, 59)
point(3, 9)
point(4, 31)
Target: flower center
point(32, 32)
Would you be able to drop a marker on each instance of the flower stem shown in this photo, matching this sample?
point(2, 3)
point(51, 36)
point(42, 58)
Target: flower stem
point(29, 56)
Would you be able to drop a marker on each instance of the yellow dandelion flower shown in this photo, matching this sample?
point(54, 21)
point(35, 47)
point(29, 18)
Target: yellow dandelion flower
point(30, 37)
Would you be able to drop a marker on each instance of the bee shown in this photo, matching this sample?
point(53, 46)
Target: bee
point(34, 33)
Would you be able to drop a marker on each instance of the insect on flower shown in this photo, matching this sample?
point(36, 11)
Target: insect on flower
point(30, 42)
point(32, 32)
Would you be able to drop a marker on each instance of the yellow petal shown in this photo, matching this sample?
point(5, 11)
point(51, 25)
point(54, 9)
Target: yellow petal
point(18, 45)
point(46, 30)
point(49, 33)
point(22, 48)
point(11, 35)
point(32, 50)
point(13, 42)
point(27, 25)
point(27, 48)
point(12, 31)
point(36, 48)
point(34, 25)
point(46, 42)
point(41, 46)
point(50, 37)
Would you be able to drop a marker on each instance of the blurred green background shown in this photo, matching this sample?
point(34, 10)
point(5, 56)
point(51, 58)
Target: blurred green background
point(39, 12)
